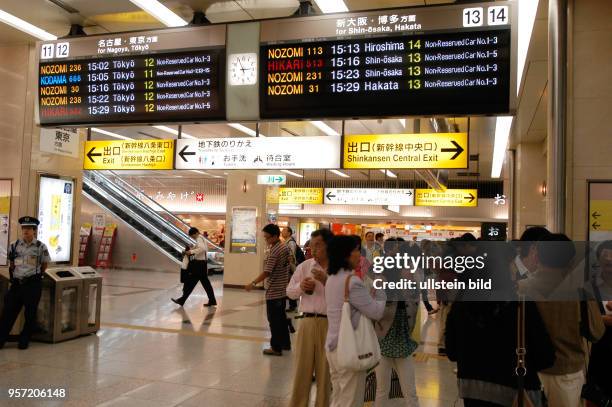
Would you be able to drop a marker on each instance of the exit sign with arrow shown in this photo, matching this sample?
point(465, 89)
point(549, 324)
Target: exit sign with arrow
point(406, 151)
point(450, 197)
point(271, 179)
point(129, 155)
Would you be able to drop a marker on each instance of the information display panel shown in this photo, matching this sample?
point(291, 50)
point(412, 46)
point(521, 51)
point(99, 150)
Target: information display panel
point(150, 77)
point(55, 213)
point(450, 60)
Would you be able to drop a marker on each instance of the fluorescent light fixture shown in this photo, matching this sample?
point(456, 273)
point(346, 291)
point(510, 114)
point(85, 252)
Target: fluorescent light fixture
point(245, 129)
point(172, 131)
point(26, 27)
point(340, 173)
point(160, 12)
point(295, 174)
point(324, 128)
point(331, 6)
point(110, 133)
point(402, 122)
point(503, 125)
point(527, 10)
point(389, 173)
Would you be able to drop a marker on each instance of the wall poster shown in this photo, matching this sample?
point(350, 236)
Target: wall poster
point(5, 218)
point(55, 213)
point(244, 229)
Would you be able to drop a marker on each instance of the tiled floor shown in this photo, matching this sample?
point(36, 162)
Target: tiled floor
point(152, 353)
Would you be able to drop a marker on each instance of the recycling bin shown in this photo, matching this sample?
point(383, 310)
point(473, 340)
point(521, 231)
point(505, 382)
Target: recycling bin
point(59, 310)
point(91, 299)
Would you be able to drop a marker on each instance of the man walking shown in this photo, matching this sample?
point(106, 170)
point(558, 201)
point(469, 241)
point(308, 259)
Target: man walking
point(276, 276)
point(28, 259)
point(308, 283)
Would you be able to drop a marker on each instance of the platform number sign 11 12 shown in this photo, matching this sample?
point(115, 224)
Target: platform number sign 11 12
point(59, 50)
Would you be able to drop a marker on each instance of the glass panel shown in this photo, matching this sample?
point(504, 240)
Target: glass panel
point(92, 307)
point(43, 315)
point(69, 309)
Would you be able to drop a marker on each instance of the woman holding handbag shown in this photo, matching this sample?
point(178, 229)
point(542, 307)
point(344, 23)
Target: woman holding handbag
point(394, 331)
point(348, 383)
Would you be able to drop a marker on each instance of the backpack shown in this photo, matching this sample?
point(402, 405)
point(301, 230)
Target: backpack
point(299, 253)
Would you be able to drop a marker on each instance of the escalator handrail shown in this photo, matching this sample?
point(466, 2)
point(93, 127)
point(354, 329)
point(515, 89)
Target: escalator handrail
point(137, 192)
point(178, 246)
point(144, 236)
point(115, 189)
point(143, 206)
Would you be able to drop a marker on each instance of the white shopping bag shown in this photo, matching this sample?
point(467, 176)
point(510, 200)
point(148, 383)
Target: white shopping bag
point(358, 349)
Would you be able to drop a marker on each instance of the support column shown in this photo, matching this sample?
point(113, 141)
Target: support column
point(242, 190)
point(557, 115)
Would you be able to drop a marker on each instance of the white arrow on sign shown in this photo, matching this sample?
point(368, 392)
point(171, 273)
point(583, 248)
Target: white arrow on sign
point(369, 196)
point(271, 179)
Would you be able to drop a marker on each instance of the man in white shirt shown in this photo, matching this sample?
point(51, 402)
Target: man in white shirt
point(308, 283)
point(197, 270)
point(526, 262)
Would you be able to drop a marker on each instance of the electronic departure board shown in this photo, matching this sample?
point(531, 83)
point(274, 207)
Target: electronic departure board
point(449, 60)
point(132, 79)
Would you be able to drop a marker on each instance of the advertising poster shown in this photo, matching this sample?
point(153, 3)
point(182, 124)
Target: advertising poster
point(5, 211)
point(305, 230)
point(244, 230)
point(55, 204)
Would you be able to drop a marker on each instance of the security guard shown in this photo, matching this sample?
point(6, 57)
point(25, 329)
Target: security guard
point(28, 261)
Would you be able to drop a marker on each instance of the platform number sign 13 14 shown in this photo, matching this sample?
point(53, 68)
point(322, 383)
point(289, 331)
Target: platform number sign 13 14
point(475, 16)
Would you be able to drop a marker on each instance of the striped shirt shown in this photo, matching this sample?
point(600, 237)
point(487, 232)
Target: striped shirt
point(277, 267)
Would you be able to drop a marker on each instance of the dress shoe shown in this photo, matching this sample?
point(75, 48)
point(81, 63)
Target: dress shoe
point(287, 348)
point(23, 345)
point(177, 302)
point(442, 351)
point(211, 304)
point(2, 344)
point(272, 352)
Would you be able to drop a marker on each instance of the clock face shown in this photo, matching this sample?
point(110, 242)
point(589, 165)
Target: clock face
point(242, 69)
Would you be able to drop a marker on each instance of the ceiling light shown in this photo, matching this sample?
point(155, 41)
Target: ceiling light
point(26, 27)
point(172, 131)
point(245, 129)
point(160, 12)
point(295, 174)
point(389, 173)
point(325, 128)
point(503, 125)
point(331, 6)
point(340, 173)
point(527, 11)
point(111, 134)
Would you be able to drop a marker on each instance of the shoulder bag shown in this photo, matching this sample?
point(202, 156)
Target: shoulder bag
point(358, 349)
point(522, 399)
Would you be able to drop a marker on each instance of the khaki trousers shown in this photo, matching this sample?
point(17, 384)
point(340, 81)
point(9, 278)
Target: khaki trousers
point(310, 357)
point(348, 386)
point(563, 390)
point(442, 316)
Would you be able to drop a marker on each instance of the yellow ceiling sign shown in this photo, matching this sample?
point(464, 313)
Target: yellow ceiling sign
point(397, 151)
point(300, 196)
point(450, 197)
point(129, 155)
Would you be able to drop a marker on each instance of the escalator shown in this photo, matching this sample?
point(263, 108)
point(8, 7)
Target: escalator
point(146, 217)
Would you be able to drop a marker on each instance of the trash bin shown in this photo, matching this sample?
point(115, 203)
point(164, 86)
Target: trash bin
point(59, 310)
point(91, 299)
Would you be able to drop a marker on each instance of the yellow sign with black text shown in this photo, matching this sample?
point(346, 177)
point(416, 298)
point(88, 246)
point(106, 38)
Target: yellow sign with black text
point(129, 155)
point(397, 151)
point(450, 197)
point(300, 196)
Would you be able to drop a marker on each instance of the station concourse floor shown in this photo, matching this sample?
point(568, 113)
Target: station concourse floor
point(150, 352)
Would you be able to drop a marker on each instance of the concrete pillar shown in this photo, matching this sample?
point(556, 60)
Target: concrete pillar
point(242, 190)
point(529, 202)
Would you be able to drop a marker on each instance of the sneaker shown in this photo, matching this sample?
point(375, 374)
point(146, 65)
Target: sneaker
point(272, 352)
